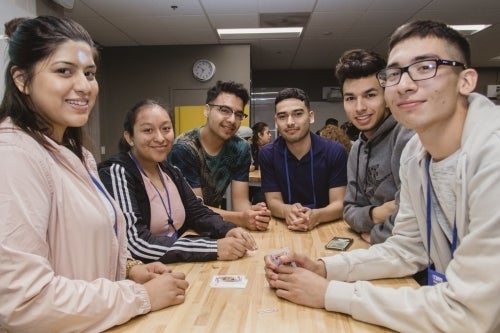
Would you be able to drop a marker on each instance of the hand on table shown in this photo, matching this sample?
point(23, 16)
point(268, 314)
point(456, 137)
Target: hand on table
point(258, 217)
point(241, 233)
point(299, 218)
point(235, 245)
point(166, 289)
point(144, 273)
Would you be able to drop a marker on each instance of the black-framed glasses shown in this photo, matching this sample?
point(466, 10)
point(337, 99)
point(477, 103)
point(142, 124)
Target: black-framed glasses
point(418, 71)
point(227, 112)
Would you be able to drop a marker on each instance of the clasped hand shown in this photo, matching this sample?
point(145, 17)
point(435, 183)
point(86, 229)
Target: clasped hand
point(258, 217)
point(164, 287)
point(299, 218)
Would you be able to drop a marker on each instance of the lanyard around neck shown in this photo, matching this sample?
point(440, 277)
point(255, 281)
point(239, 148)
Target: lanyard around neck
point(105, 193)
point(288, 181)
point(454, 242)
point(168, 209)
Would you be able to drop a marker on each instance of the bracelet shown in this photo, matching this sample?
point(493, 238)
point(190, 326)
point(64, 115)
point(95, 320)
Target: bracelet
point(131, 263)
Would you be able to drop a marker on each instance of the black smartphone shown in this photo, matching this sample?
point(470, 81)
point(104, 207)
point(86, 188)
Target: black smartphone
point(339, 243)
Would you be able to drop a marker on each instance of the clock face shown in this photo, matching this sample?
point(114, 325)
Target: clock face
point(203, 70)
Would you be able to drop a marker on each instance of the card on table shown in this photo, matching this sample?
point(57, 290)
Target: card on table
point(228, 281)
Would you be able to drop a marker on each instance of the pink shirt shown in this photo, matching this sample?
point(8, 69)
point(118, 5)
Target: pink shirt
point(160, 207)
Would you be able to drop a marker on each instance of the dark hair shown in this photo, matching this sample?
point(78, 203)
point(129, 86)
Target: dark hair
point(332, 121)
point(427, 28)
point(229, 87)
point(358, 63)
point(293, 93)
point(257, 128)
point(31, 41)
point(131, 117)
point(11, 25)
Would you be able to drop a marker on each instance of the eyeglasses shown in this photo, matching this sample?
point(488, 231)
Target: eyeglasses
point(418, 71)
point(227, 112)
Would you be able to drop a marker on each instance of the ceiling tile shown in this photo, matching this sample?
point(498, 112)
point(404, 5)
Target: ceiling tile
point(333, 26)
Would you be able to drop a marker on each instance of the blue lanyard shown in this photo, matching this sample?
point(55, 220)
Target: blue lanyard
point(103, 191)
point(288, 177)
point(454, 242)
point(168, 210)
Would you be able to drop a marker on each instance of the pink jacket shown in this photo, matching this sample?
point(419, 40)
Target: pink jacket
point(62, 266)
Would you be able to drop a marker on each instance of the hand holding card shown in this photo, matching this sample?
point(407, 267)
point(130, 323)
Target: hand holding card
point(276, 254)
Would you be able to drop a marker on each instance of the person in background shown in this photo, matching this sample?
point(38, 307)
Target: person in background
point(448, 220)
point(329, 121)
point(332, 121)
point(158, 204)
point(62, 238)
point(335, 133)
point(370, 202)
point(246, 133)
point(212, 157)
point(261, 135)
point(311, 189)
point(351, 131)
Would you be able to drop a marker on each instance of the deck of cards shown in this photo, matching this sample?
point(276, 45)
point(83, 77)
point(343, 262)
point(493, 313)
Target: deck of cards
point(229, 281)
point(276, 254)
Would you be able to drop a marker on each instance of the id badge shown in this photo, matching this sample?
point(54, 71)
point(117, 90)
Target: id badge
point(434, 277)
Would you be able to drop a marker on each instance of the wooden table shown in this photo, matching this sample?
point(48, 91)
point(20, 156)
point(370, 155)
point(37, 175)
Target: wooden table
point(255, 309)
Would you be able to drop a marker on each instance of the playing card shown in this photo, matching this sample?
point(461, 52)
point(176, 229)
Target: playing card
point(276, 254)
point(229, 281)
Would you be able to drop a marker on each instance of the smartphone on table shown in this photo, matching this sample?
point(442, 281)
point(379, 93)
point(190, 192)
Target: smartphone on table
point(339, 243)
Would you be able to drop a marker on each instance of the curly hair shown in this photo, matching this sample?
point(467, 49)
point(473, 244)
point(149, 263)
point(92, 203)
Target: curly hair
point(337, 134)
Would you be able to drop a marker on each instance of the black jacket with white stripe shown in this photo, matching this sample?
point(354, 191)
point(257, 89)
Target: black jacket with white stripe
point(124, 182)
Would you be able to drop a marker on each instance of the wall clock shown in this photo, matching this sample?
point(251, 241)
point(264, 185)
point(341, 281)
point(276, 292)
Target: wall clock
point(203, 70)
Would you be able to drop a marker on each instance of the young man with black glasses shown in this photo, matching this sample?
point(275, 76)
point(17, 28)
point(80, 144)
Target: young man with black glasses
point(448, 219)
point(212, 157)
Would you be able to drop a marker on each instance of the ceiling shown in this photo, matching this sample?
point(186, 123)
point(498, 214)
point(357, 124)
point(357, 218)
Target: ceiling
point(331, 26)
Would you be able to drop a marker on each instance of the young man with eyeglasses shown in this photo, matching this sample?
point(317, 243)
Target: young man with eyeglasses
point(448, 219)
point(370, 203)
point(212, 157)
point(303, 175)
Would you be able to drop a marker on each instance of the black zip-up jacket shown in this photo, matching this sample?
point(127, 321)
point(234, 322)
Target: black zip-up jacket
point(124, 182)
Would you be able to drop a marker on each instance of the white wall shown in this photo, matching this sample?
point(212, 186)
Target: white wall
point(10, 9)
